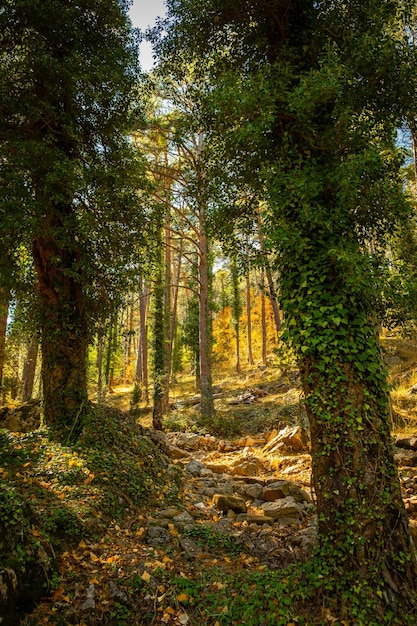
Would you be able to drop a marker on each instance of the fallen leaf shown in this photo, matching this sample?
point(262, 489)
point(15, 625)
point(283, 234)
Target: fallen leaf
point(182, 597)
point(146, 577)
point(183, 619)
point(170, 610)
point(93, 557)
point(82, 544)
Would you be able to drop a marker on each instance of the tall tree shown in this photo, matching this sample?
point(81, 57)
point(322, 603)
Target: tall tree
point(308, 98)
point(67, 101)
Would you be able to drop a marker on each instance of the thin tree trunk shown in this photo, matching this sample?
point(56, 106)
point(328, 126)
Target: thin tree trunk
point(249, 318)
point(100, 352)
point(143, 339)
point(263, 319)
point(29, 369)
point(4, 311)
point(175, 301)
point(273, 298)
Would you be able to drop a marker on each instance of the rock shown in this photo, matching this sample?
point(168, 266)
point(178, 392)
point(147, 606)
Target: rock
point(183, 518)
point(189, 441)
point(253, 491)
point(177, 453)
point(194, 467)
point(412, 526)
point(286, 507)
point(190, 547)
point(283, 488)
point(254, 519)
point(411, 505)
point(276, 490)
point(90, 603)
point(406, 458)
point(117, 593)
point(168, 513)
point(409, 443)
point(247, 467)
point(23, 418)
point(218, 468)
point(157, 536)
point(226, 503)
point(294, 439)
point(287, 521)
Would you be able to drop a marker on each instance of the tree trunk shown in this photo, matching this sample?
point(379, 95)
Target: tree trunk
point(363, 535)
point(236, 311)
point(207, 404)
point(263, 319)
point(268, 272)
point(273, 298)
point(4, 311)
point(64, 334)
point(29, 369)
point(141, 373)
point(100, 387)
point(158, 352)
point(249, 319)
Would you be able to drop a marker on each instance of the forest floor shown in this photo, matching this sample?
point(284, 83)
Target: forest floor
point(138, 527)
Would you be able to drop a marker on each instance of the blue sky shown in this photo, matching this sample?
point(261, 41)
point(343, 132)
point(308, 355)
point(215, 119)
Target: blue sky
point(143, 14)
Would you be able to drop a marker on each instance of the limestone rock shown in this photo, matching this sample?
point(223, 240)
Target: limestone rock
point(247, 467)
point(254, 519)
point(286, 507)
point(226, 503)
point(406, 458)
point(177, 453)
point(253, 491)
point(194, 467)
point(294, 439)
point(409, 443)
point(283, 488)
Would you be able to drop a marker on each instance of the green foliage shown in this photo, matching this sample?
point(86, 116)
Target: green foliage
point(211, 539)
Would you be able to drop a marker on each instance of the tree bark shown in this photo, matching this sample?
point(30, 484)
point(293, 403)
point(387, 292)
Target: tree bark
point(64, 333)
point(206, 388)
point(249, 319)
point(363, 536)
point(263, 319)
point(4, 311)
point(29, 369)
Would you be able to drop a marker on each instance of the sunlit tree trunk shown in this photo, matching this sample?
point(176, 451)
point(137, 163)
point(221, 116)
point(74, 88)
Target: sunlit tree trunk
point(4, 311)
point(29, 369)
point(249, 318)
point(263, 318)
point(206, 389)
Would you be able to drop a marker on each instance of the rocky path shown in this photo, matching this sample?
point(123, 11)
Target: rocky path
point(241, 505)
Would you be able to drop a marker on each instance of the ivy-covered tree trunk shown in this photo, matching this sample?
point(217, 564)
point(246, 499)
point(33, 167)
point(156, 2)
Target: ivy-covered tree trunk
point(363, 536)
point(64, 333)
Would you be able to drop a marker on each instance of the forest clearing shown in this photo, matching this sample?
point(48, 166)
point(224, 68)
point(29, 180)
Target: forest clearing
point(208, 312)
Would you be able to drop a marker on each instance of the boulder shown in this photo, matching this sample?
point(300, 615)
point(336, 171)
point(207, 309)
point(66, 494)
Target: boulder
point(229, 503)
point(247, 467)
point(286, 507)
point(283, 488)
point(194, 467)
point(290, 438)
point(409, 443)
